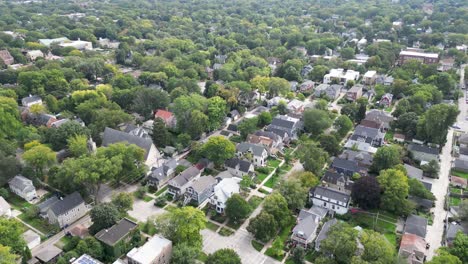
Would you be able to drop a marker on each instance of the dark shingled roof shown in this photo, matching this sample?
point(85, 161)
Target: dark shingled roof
point(330, 193)
point(345, 164)
point(115, 233)
point(69, 202)
point(243, 164)
point(416, 225)
point(424, 149)
point(112, 136)
point(282, 122)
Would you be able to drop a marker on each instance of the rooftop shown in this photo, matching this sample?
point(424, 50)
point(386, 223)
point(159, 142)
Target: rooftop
point(150, 250)
point(66, 204)
point(419, 54)
point(116, 232)
point(416, 225)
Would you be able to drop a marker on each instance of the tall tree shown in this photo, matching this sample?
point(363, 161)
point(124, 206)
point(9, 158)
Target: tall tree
point(223, 256)
point(330, 144)
point(103, 216)
point(237, 208)
point(294, 193)
point(6, 257)
point(444, 257)
point(343, 125)
point(394, 184)
point(148, 100)
point(340, 245)
point(433, 125)
point(9, 117)
point(184, 253)
point(160, 134)
point(263, 226)
point(58, 137)
point(78, 145)
point(316, 121)
point(312, 157)
point(216, 111)
point(39, 157)
point(386, 157)
point(276, 205)
point(377, 249)
point(247, 126)
point(11, 231)
point(123, 202)
point(459, 246)
point(130, 157)
point(218, 149)
point(366, 192)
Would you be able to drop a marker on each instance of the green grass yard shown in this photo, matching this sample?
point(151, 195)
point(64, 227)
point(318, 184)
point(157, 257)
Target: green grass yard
point(212, 226)
point(40, 224)
point(225, 232)
point(161, 191)
point(384, 224)
point(459, 174)
point(17, 202)
point(273, 163)
point(455, 201)
point(257, 245)
point(147, 198)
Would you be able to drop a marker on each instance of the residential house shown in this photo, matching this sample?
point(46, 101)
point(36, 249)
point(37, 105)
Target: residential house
point(41, 119)
point(33, 55)
point(458, 181)
point(370, 135)
point(293, 85)
point(31, 238)
point(49, 254)
point(415, 225)
point(425, 58)
point(5, 208)
point(422, 204)
point(340, 76)
point(157, 250)
point(178, 185)
point(323, 234)
point(271, 141)
point(6, 57)
point(112, 136)
point(413, 172)
point(400, 138)
point(238, 167)
point(306, 86)
point(460, 165)
point(31, 100)
point(85, 259)
point(158, 176)
point(45, 206)
point(330, 91)
point(248, 99)
point(369, 78)
point(80, 231)
point(423, 153)
point(48, 42)
point(67, 210)
point(364, 159)
point(223, 191)
point(381, 117)
point(168, 117)
point(446, 64)
point(452, 230)
point(330, 199)
point(77, 44)
point(200, 189)
point(108, 44)
point(413, 248)
point(386, 100)
point(346, 167)
point(234, 115)
point(220, 59)
point(354, 93)
point(296, 106)
point(275, 101)
point(285, 126)
point(338, 181)
point(258, 153)
point(359, 143)
point(306, 70)
point(305, 231)
point(116, 239)
point(23, 187)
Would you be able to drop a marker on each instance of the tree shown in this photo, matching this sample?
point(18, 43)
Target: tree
point(58, 137)
point(6, 257)
point(431, 169)
point(147, 100)
point(160, 135)
point(11, 237)
point(78, 145)
point(9, 117)
point(377, 249)
point(39, 157)
point(366, 192)
point(394, 184)
point(308, 179)
point(183, 253)
point(294, 193)
point(182, 225)
point(263, 226)
point(130, 157)
point(361, 113)
point(318, 72)
point(264, 119)
point(347, 53)
point(298, 255)
point(330, 144)
point(198, 123)
point(276, 205)
point(433, 125)
point(408, 124)
point(463, 211)
point(103, 216)
point(444, 257)
point(8, 167)
point(343, 125)
point(312, 157)
point(386, 157)
point(459, 246)
point(340, 245)
point(216, 109)
point(316, 121)
point(223, 256)
point(218, 149)
point(237, 208)
point(123, 202)
point(416, 188)
point(247, 126)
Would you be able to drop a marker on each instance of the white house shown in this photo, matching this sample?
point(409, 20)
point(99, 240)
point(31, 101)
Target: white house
point(32, 55)
point(370, 77)
point(341, 76)
point(157, 250)
point(31, 100)
point(5, 208)
point(32, 239)
point(67, 210)
point(179, 184)
point(23, 187)
point(223, 191)
point(330, 199)
point(77, 44)
point(258, 152)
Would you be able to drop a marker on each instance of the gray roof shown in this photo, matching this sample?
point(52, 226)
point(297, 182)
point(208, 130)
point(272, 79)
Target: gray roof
point(330, 193)
point(334, 178)
point(30, 99)
point(345, 164)
point(161, 172)
point(201, 184)
point(366, 131)
point(277, 131)
point(413, 172)
point(257, 150)
point(424, 203)
point(461, 164)
point(48, 253)
point(187, 175)
point(283, 121)
point(22, 183)
point(267, 134)
point(423, 149)
point(115, 233)
point(379, 115)
point(244, 165)
point(416, 225)
point(112, 136)
point(359, 156)
point(69, 202)
point(306, 227)
point(452, 231)
point(45, 205)
point(323, 234)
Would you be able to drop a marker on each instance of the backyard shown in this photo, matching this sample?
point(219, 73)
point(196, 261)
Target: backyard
point(459, 174)
point(381, 222)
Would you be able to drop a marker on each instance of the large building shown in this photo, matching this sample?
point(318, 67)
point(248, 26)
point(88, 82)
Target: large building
point(426, 58)
point(157, 250)
point(340, 76)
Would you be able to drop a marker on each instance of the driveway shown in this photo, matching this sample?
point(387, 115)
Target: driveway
point(143, 210)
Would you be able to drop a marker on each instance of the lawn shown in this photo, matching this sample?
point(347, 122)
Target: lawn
point(40, 224)
point(459, 174)
point(260, 177)
point(282, 238)
point(272, 181)
point(389, 136)
point(161, 191)
point(225, 232)
point(147, 198)
point(455, 190)
point(212, 226)
point(273, 163)
point(454, 201)
point(254, 202)
point(257, 245)
point(219, 218)
point(385, 224)
point(17, 202)
point(234, 225)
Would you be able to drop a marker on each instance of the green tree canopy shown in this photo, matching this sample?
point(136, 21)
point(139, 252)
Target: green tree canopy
point(218, 149)
point(223, 256)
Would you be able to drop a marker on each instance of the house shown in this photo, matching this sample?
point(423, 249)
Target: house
point(258, 153)
point(415, 225)
point(23, 187)
point(360, 144)
point(275, 101)
point(116, 239)
point(49, 254)
point(168, 117)
point(158, 176)
point(330, 199)
point(77, 44)
point(238, 167)
point(306, 70)
point(178, 185)
point(108, 44)
point(6, 57)
point(223, 191)
point(369, 78)
point(220, 59)
point(323, 234)
point(423, 153)
point(200, 189)
point(31, 100)
point(157, 250)
point(423, 204)
point(425, 58)
point(5, 208)
point(285, 126)
point(234, 114)
point(32, 55)
point(364, 159)
point(412, 249)
point(370, 135)
point(386, 100)
point(413, 172)
point(354, 93)
point(305, 231)
point(463, 140)
point(295, 106)
point(112, 136)
point(346, 167)
point(41, 119)
point(337, 181)
point(460, 165)
point(400, 138)
point(306, 86)
point(340, 76)
point(31, 238)
point(67, 210)
point(446, 64)
point(381, 117)
point(455, 181)
point(48, 42)
point(293, 86)
point(45, 206)
point(85, 259)
point(330, 91)
point(269, 140)
point(451, 233)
